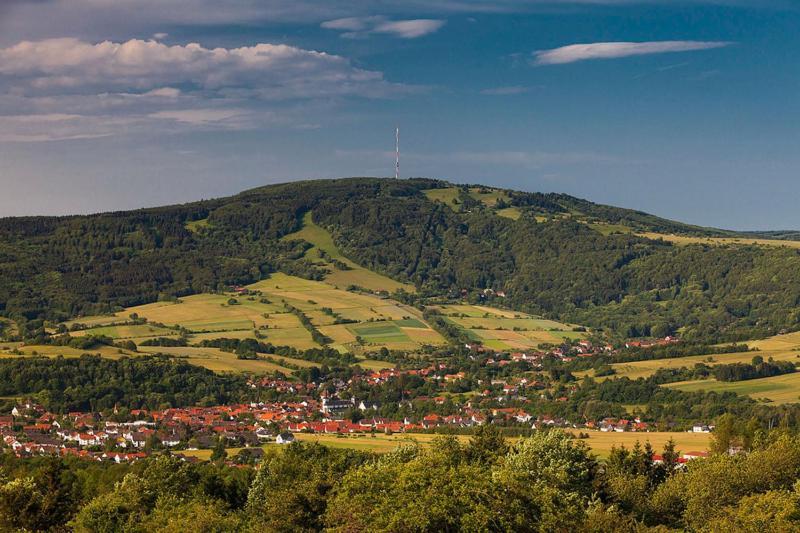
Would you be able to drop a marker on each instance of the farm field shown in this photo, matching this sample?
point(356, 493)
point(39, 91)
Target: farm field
point(719, 241)
point(501, 329)
point(485, 195)
point(357, 275)
point(134, 332)
point(778, 389)
point(779, 347)
point(599, 442)
point(510, 212)
point(643, 369)
point(266, 314)
point(216, 360)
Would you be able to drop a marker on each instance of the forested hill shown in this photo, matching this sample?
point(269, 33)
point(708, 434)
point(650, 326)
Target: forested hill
point(550, 253)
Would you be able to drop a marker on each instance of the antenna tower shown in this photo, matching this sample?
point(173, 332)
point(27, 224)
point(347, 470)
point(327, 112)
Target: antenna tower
point(397, 153)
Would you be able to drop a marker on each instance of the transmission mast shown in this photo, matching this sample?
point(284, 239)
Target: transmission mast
point(397, 153)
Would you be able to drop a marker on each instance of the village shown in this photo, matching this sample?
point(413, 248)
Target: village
point(334, 406)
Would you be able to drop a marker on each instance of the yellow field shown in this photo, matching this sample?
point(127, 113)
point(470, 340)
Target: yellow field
point(789, 341)
point(267, 317)
point(600, 443)
point(501, 329)
point(719, 241)
point(446, 195)
point(779, 347)
point(134, 332)
point(643, 369)
point(777, 389)
point(322, 240)
point(510, 212)
point(217, 360)
point(372, 364)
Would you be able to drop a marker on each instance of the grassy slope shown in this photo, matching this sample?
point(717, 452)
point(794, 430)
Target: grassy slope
point(496, 327)
point(779, 389)
point(322, 240)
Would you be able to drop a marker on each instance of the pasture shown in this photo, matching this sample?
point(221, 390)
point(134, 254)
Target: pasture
point(265, 314)
point(719, 241)
point(599, 442)
point(322, 241)
point(510, 212)
point(501, 329)
point(779, 347)
point(778, 389)
point(485, 195)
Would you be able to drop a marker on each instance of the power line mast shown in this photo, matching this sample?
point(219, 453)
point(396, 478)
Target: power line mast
point(397, 153)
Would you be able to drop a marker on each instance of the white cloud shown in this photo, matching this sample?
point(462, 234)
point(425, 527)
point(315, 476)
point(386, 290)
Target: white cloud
point(265, 70)
point(612, 50)
point(61, 89)
point(356, 27)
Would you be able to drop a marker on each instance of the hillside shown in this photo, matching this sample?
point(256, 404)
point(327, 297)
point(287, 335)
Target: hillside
point(550, 254)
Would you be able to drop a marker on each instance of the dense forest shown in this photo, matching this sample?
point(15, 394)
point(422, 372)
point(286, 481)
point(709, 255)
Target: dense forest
point(92, 383)
point(547, 482)
point(549, 260)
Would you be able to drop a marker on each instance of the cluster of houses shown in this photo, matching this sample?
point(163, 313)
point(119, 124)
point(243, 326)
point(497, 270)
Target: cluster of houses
point(31, 430)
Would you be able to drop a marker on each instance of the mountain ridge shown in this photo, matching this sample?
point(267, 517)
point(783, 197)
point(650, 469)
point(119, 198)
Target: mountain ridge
point(553, 254)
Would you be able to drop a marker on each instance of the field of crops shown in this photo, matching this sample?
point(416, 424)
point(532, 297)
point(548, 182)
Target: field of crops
point(266, 314)
point(777, 389)
point(719, 241)
point(599, 442)
point(501, 329)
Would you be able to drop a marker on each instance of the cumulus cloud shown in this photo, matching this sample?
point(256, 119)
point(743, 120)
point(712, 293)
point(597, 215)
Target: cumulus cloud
point(268, 70)
point(612, 50)
point(73, 89)
point(355, 27)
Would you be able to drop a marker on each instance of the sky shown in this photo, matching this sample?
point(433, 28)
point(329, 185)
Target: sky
point(686, 109)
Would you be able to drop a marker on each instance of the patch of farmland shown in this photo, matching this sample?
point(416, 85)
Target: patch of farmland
point(138, 331)
point(778, 389)
point(719, 241)
point(643, 369)
point(380, 333)
point(788, 341)
point(99, 320)
point(510, 212)
point(217, 360)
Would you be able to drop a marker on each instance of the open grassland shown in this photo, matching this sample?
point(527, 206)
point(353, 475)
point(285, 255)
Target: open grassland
point(196, 226)
point(446, 195)
point(485, 195)
point(778, 389)
point(501, 329)
point(788, 341)
point(219, 361)
point(719, 241)
point(643, 369)
point(779, 347)
point(65, 351)
point(380, 321)
point(265, 314)
point(510, 212)
point(134, 332)
point(322, 240)
point(599, 442)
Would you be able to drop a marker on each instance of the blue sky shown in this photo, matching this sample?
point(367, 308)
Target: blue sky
point(690, 110)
